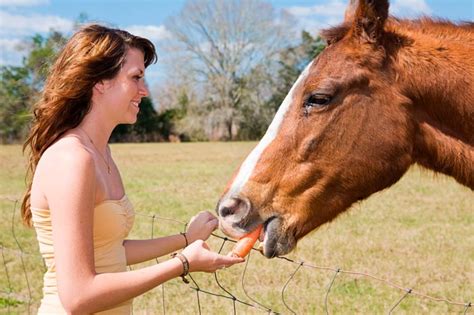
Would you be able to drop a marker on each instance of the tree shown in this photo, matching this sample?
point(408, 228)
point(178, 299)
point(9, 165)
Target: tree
point(150, 125)
point(20, 85)
point(292, 62)
point(16, 95)
point(256, 115)
point(42, 53)
point(220, 42)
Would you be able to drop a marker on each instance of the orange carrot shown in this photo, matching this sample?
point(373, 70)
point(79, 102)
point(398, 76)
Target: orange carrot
point(244, 245)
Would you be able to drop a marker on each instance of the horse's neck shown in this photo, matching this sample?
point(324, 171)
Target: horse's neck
point(437, 75)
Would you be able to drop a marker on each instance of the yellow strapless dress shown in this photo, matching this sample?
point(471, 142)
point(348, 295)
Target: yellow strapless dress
point(113, 220)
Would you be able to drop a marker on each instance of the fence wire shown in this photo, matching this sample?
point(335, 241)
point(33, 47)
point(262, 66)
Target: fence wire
point(11, 299)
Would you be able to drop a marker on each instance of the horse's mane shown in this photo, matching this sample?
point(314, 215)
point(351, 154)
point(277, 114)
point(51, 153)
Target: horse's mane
point(336, 33)
point(437, 27)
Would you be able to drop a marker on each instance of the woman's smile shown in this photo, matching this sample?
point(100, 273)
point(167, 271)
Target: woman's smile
point(136, 104)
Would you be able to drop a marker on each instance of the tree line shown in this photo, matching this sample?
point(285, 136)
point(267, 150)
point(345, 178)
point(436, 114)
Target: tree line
point(230, 65)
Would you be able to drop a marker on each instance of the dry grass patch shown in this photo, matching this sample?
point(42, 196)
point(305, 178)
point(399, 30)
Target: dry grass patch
point(417, 233)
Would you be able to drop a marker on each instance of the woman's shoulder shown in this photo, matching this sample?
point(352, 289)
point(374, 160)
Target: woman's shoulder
point(64, 164)
point(69, 152)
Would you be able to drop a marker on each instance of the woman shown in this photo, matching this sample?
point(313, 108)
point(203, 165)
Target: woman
point(76, 200)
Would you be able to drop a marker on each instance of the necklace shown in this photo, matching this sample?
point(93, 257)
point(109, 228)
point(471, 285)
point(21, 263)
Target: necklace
point(93, 144)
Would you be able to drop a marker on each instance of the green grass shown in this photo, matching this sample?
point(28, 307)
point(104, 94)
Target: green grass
point(418, 234)
point(9, 302)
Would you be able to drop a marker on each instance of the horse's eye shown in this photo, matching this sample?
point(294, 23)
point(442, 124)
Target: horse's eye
point(318, 100)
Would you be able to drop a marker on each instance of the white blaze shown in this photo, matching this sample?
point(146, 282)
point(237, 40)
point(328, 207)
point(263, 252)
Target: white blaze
point(249, 164)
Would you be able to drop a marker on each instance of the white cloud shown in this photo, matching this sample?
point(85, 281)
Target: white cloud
point(22, 3)
point(9, 52)
point(15, 24)
point(410, 8)
point(313, 18)
point(334, 8)
point(15, 27)
point(9, 44)
point(151, 32)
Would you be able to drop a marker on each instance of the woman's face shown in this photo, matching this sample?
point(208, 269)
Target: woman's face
point(122, 94)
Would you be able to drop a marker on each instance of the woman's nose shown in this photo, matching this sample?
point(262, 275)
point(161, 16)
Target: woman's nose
point(143, 89)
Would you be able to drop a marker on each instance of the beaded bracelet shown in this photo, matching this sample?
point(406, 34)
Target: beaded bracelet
point(185, 263)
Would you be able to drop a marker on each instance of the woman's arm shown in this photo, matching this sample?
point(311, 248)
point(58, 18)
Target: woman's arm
point(67, 179)
point(138, 251)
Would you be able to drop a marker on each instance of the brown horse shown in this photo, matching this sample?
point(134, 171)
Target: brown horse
point(384, 94)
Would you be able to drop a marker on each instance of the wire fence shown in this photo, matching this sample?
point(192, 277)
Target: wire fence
point(11, 297)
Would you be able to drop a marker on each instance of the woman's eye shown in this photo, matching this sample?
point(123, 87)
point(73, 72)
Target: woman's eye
point(318, 100)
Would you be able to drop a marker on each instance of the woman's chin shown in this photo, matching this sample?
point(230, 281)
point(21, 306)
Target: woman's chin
point(129, 120)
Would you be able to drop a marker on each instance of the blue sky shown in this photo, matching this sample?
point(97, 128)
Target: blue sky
point(20, 19)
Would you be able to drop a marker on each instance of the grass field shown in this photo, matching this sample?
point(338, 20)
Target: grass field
point(418, 234)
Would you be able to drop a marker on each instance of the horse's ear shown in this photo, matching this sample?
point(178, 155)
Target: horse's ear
point(367, 18)
point(350, 11)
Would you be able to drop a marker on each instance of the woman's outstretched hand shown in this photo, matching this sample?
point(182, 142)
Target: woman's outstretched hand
point(201, 258)
point(201, 226)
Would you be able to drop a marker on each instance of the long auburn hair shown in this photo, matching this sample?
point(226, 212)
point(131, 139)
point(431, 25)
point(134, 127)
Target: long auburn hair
point(92, 54)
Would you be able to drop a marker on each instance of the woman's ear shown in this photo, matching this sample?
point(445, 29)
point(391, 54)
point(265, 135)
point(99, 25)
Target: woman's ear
point(100, 86)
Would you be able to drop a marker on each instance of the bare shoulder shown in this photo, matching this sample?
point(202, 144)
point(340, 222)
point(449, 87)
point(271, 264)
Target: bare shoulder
point(66, 164)
point(67, 152)
point(66, 158)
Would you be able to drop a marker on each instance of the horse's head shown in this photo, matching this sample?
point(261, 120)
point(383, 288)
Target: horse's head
point(342, 133)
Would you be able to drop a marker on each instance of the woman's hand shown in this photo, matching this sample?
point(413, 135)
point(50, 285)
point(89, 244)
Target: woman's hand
point(201, 226)
point(201, 258)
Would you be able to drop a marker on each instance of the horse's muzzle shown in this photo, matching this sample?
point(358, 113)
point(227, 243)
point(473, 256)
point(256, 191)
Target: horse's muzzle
point(237, 218)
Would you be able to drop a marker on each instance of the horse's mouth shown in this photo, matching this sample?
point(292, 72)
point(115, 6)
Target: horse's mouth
point(276, 241)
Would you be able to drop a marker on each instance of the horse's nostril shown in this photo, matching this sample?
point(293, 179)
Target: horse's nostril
point(225, 211)
point(234, 206)
point(229, 207)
